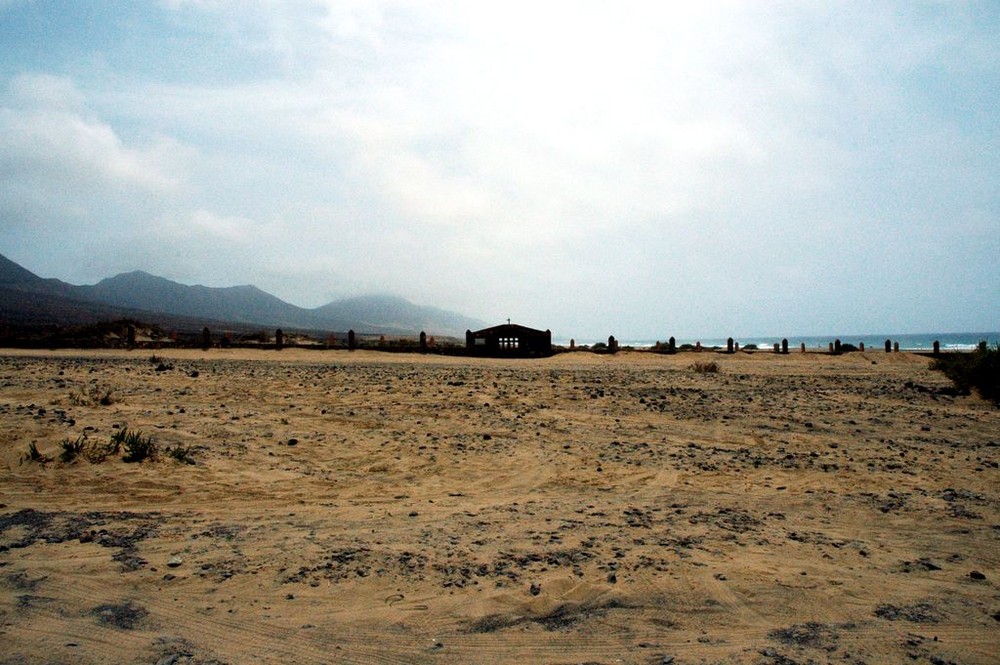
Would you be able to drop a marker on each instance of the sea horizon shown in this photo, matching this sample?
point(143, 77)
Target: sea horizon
point(954, 341)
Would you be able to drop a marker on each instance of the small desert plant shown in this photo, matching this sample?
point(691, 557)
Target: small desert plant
point(34, 455)
point(93, 394)
point(117, 439)
point(979, 371)
point(180, 454)
point(92, 451)
point(95, 453)
point(132, 445)
point(705, 367)
point(136, 447)
point(71, 449)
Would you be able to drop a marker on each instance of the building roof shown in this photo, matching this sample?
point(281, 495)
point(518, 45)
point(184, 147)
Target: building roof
point(510, 328)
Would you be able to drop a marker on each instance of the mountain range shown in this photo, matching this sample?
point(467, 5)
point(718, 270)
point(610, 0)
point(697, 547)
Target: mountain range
point(29, 300)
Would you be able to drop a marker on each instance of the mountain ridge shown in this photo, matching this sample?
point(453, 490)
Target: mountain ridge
point(140, 293)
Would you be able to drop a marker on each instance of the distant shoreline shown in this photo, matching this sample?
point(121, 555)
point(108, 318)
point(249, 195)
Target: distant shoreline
point(961, 341)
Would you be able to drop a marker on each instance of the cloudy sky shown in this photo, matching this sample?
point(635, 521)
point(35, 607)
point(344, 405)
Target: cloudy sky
point(644, 169)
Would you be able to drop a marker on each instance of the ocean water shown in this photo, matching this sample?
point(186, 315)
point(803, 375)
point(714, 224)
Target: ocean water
point(873, 342)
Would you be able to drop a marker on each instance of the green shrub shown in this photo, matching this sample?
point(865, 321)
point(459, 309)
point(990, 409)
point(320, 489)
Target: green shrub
point(979, 371)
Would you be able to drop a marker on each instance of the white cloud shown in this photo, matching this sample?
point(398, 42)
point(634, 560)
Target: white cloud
point(53, 149)
point(45, 91)
point(426, 148)
point(203, 226)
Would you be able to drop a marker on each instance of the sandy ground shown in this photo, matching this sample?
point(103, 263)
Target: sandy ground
point(373, 508)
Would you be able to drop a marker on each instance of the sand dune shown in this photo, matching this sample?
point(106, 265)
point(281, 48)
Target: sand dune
point(373, 508)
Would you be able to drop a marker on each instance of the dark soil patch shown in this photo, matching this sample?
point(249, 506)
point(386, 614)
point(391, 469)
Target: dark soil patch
point(493, 623)
point(31, 601)
point(920, 565)
point(121, 530)
point(813, 635)
point(562, 617)
point(21, 582)
point(123, 617)
point(775, 657)
point(172, 650)
point(917, 613)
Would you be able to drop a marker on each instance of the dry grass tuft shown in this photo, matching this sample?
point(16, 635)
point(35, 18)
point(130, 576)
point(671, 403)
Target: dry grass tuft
point(705, 367)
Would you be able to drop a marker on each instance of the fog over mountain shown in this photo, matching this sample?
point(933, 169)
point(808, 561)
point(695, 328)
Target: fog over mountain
point(26, 298)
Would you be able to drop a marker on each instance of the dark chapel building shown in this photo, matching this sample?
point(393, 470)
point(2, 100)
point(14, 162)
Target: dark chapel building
point(508, 340)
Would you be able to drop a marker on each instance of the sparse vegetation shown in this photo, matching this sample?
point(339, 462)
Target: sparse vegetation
point(180, 454)
point(705, 367)
point(62, 331)
point(95, 452)
point(71, 449)
point(258, 337)
point(136, 447)
point(93, 394)
point(133, 446)
point(161, 365)
point(34, 455)
point(979, 371)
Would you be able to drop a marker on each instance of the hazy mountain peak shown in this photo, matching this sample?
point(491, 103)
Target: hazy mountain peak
point(133, 276)
point(12, 273)
point(246, 305)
